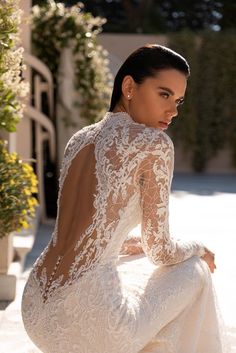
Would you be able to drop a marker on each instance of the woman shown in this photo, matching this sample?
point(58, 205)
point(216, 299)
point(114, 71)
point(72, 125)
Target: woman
point(116, 174)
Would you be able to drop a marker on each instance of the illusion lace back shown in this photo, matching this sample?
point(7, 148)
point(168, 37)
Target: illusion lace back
point(116, 174)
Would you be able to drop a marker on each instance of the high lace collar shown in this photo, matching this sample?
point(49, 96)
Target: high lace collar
point(122, 115)
point(126, 118)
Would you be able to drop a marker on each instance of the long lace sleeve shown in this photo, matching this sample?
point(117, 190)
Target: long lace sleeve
point(154, 176)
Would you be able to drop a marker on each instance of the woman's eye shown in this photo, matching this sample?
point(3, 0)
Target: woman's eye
point(180, 102)
point(164, 95)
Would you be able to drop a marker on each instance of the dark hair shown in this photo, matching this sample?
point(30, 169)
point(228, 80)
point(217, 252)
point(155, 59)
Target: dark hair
point(146, 62)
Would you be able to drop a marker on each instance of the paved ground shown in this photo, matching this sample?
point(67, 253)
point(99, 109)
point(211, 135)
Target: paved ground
point(201, 207)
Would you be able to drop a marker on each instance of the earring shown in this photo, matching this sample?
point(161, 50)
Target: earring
point(128, 96)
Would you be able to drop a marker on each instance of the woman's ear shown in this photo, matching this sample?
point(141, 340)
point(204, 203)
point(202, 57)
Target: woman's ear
point(128, 87)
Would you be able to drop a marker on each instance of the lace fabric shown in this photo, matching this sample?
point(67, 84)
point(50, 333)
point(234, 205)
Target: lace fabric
point(115, 175)
point(104, 166)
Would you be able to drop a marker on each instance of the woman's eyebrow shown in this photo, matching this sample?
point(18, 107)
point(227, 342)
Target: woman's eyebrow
point(170, 91)
point(167, 89)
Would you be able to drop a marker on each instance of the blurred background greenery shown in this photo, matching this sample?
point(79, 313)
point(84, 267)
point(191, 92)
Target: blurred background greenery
point(204, 32)
point(152, 16)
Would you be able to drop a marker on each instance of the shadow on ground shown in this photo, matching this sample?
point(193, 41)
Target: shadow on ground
point(204, 184)
point(42, 238)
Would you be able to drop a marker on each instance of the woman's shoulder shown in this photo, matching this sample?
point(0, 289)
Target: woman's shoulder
point(85, 134)
point(122, 123)
point(149, 137)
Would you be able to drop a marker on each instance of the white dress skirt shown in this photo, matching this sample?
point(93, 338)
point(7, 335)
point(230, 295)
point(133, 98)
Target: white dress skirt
point(136, 307)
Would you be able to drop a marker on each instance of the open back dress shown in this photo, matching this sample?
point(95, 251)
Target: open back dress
point(79, 297)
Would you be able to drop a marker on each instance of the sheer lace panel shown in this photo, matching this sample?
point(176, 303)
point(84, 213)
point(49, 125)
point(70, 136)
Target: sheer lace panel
point(75, 217)
point(93, 197)
point(155, 174)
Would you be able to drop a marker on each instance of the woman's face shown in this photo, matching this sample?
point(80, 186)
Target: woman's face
point(155, 101)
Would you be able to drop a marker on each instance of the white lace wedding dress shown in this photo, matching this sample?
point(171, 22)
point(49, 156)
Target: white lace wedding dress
point(78, 299)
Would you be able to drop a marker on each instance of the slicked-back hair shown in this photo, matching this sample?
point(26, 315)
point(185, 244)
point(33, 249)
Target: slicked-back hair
point(146, 62)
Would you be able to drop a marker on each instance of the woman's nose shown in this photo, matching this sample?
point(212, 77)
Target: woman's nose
point(173, 111)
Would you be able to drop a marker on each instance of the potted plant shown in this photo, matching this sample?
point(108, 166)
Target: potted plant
point(17, 202)
point(18, 182)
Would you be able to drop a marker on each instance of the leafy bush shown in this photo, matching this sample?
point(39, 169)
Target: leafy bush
point(18, 183)
point(17, 180)
point(208, 118)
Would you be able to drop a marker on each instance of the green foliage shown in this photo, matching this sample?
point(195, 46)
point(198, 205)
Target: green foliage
point(160, 16)
point(11, 86)
point(152, 16)
point(8, 25)
point(17, 180)
point(55, 27)
point(208, 121)
point(18, 183)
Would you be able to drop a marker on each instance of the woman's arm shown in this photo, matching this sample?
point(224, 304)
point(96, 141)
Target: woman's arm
point(154, 177)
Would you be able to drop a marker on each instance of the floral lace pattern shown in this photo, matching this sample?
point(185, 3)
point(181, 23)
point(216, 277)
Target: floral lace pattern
point(130, 159)
point(78, 288)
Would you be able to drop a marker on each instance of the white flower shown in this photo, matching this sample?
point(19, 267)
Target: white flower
point(11, 62)
point(92, 74)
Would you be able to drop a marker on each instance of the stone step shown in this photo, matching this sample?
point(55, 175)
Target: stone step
point(22, 244)
point(8, 282)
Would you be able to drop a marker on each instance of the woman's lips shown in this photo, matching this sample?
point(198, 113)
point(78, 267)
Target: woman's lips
point(163, 124)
